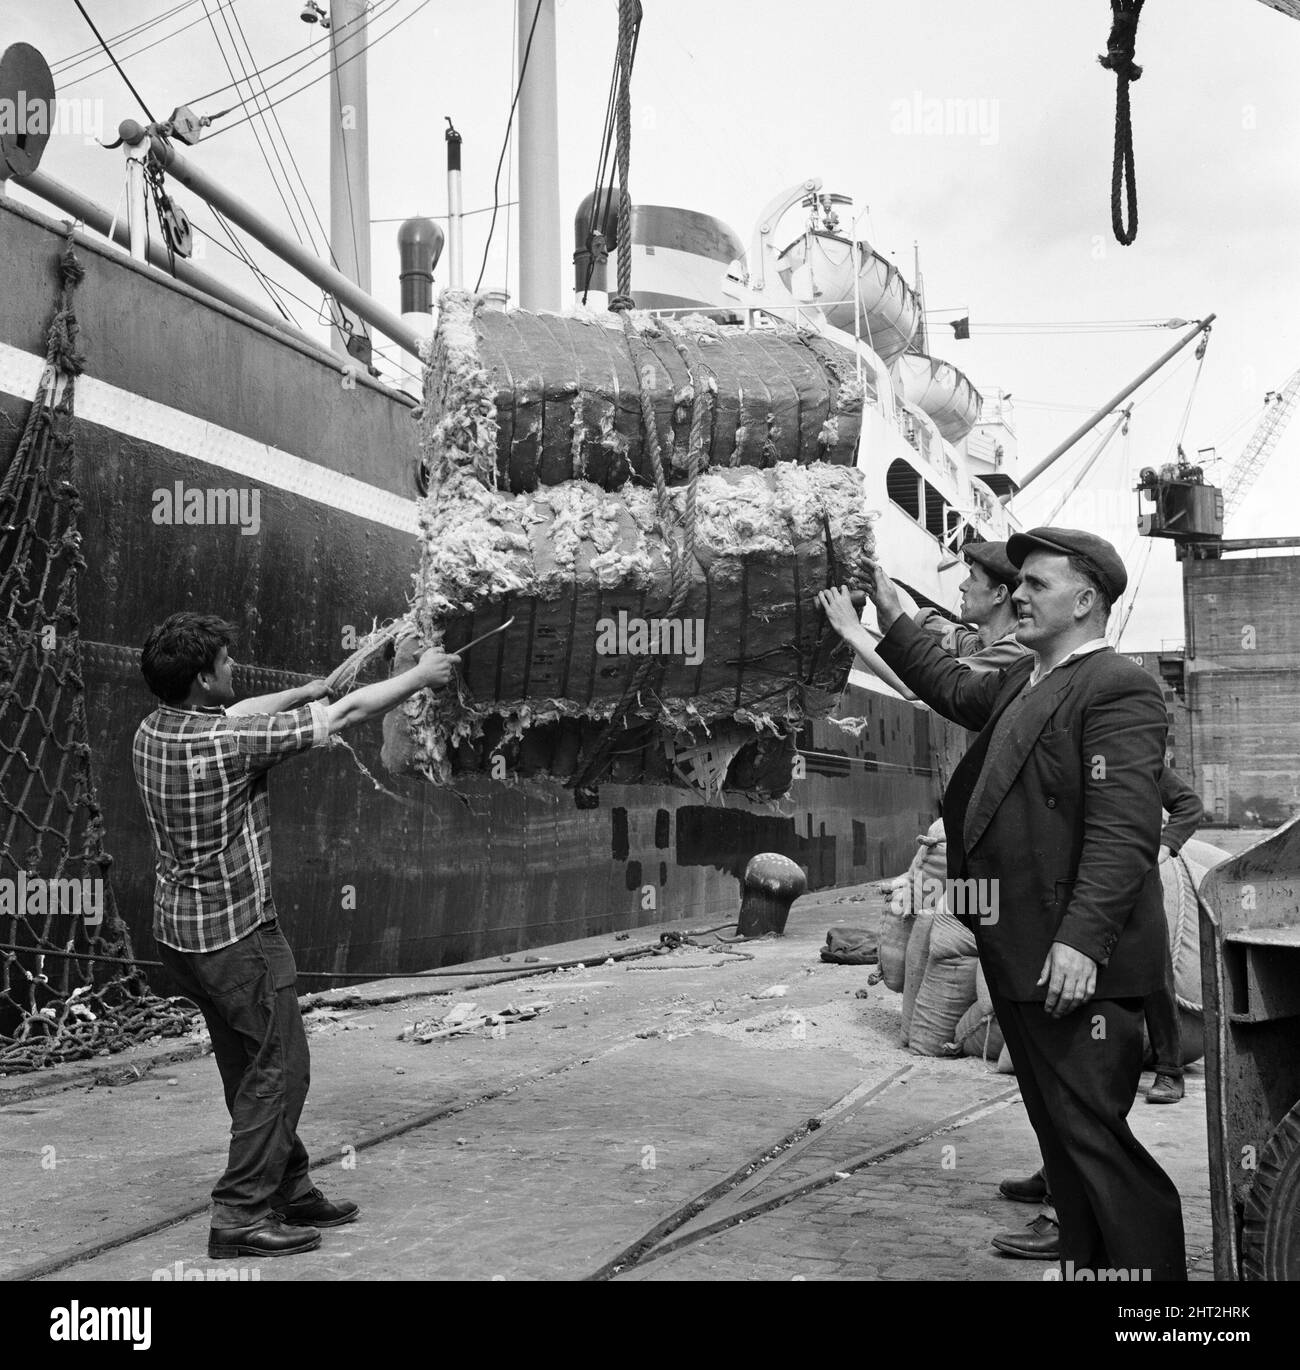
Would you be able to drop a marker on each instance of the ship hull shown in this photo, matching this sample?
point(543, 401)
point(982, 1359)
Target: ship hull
point(183, 395)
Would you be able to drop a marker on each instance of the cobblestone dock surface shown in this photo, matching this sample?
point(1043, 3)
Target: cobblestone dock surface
point(660, 1120)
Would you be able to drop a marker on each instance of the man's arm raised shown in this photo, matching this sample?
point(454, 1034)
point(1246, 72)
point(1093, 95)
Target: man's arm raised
point(842, 614)
point(433, 670)
point(951, 689)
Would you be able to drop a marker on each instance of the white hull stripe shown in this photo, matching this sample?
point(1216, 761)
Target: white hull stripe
point(146, 420)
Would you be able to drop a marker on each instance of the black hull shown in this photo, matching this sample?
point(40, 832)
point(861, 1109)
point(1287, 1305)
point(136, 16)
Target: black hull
point(364, 881)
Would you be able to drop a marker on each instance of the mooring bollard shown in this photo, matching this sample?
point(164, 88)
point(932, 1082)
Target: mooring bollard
point(772, 883)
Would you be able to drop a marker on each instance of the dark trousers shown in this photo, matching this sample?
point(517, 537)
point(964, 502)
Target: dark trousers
point(1161, 1010)
point(248, 997)
point(1077, 1075)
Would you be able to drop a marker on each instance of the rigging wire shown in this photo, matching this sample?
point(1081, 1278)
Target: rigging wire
point(75, 59)
point(346, 325)
point(1254, 415)
point(116, 63)
point(293, 161)
point(602, 192)
point(261, 145)
point(76, 81)
point(241, 253)
point(1133, 594)
point(464, 214)
point(266, 127)
point(1177, 444)
point(225, 128)
point(337, 317)
point(268, 282)
point(372, 12)
point(505, 142)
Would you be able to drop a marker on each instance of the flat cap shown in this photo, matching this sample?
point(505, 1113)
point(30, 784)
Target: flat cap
point(1098, 554)
point(992, 556)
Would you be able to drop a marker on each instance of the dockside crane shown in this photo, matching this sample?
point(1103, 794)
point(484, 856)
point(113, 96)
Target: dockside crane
point(1279, 409)
point(1191, 512)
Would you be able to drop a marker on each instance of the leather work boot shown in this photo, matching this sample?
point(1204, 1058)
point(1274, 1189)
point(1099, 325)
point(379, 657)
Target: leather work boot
point(1040, 1241)
point(315, 1210)
point(266, 1237)
point(1165, 1089)
point(1031, 1191)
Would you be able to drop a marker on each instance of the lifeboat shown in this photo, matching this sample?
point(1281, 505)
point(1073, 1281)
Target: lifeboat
point(938, 389)
point(888, 312)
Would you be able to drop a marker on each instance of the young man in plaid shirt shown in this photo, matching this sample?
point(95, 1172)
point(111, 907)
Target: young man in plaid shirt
point(202, 762)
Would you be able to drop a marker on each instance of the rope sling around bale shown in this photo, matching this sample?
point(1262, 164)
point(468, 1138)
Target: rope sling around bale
point(1120, 48)
point(680, 555)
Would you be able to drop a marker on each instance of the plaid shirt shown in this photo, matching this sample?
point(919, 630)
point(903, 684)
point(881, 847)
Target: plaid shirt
point(203, 778)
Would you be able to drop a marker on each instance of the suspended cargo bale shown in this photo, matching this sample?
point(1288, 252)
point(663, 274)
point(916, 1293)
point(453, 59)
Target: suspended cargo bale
point(529, 400)
point(716, 687)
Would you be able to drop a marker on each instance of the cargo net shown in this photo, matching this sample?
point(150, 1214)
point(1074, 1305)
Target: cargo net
point(69, 987)
point(656, 506)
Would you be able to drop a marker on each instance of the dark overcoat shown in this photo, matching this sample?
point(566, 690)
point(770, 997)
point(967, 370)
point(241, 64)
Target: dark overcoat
point(1065, 827)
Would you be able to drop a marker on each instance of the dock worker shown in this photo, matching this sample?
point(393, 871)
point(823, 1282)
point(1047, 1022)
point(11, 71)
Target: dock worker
point(1041, 1239)
point(1057, 801)
point(202, 763)
point(985, 640)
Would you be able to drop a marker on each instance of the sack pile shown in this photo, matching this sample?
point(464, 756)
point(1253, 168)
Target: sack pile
point(931, 958)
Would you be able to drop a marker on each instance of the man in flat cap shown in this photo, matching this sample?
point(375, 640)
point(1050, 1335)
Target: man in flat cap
point(988, 645)
point(1057, 806)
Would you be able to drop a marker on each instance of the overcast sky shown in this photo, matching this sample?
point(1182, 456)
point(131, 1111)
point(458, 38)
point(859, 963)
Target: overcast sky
point(736, 99)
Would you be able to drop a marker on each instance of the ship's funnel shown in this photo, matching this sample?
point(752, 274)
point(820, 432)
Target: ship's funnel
point(679, 256)
point(586, 245)
point(419, 243)
point(26, 109)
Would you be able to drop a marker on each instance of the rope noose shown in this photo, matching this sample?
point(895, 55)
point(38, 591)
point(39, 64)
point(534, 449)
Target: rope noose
point(1120, 47)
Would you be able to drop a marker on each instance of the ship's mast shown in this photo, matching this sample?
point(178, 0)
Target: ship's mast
point(349, 155)
point(539, 161)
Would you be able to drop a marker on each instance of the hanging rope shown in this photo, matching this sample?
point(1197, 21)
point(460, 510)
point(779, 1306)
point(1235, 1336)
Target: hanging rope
point(629, 27)
point(1120, 47)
